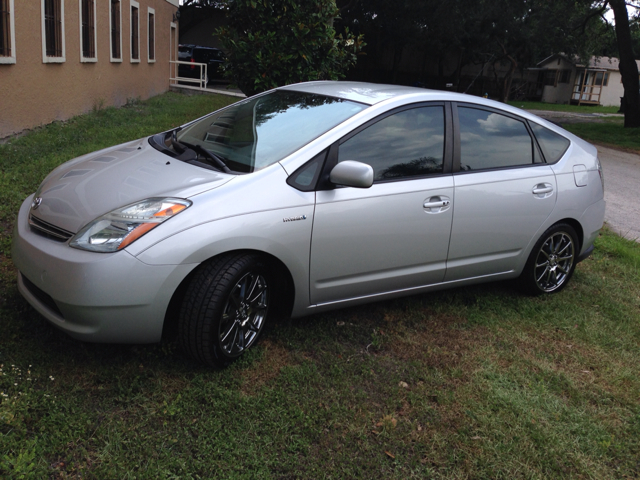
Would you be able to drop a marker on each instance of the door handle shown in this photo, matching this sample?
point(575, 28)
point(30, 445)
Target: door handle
point(438, 204)
point(542, 188)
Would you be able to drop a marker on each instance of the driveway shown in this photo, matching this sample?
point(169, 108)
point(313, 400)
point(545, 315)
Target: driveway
point(621, 191)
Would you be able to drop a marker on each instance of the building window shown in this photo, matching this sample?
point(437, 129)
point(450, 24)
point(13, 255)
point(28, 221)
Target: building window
point(87, 31)
point(151, 26)
point(550, 77)
point(135, 32)
point(115, 21)
point(53, 48)
point(565, 76)
point(7, 32)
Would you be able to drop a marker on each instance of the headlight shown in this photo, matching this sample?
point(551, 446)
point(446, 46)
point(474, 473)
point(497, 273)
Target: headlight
point(118, 229)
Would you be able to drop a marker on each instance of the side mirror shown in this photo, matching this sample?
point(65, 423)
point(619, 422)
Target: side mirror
point(352, 174)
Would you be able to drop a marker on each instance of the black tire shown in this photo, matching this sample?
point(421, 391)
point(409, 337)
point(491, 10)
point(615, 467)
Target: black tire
point(225, 308)
point(552, 261)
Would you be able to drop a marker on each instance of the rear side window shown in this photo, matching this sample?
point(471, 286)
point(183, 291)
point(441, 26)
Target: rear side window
point(553, 145)
point(491, 140)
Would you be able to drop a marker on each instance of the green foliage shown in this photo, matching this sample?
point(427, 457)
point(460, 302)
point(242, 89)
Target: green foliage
point(275, 43)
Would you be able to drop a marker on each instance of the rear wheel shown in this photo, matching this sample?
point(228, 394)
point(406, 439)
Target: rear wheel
point(225, 308)
point(552, 261)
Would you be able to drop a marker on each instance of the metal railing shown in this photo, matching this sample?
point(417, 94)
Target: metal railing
point(202, 81)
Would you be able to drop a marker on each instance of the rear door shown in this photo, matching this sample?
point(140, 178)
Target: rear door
point(504, 192)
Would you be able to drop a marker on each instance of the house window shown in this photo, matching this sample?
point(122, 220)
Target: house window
point(565, 76)
point(135, 32)
point(605, 82)
point(151, 26)
point(550, 77)
point(53, 48)
point(87, 31)
point(115, 21)
point(7, 34)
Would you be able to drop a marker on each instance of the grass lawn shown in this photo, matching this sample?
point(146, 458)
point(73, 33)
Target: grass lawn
point(610, 133)
point(562, 108)
point(477, 382)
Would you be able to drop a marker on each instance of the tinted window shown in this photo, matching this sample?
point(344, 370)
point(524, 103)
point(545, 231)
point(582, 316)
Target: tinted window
point(260, 131)
point(407, 144)
point(492, 140)
point(553, 145)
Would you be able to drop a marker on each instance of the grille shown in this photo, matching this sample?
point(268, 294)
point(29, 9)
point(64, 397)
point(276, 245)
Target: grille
point(41, 296)
point(50, 231)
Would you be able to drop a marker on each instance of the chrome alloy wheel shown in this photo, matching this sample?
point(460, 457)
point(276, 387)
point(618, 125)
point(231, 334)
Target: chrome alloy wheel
point(244, 314)
point(554, 261)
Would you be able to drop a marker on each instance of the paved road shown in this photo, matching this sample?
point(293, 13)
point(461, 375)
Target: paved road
point(622, 191)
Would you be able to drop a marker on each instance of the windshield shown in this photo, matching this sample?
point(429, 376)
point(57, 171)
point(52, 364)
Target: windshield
point(260, 131)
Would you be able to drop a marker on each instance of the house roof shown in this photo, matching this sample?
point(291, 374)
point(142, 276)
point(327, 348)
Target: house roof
point(596, 63)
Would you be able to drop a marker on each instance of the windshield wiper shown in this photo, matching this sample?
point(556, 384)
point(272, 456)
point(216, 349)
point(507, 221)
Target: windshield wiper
point(183, 148)
point(216, 159)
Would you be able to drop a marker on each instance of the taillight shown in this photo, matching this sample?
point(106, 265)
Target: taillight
point(192, 63)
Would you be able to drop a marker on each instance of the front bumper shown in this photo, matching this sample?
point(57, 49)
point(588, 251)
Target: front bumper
point(94, 297)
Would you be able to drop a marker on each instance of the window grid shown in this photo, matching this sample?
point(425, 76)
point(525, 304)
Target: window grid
point(53, 28)
point(115, 29)
point(135, 52)
point(5, 28)
point(88, 29)
point(152, 34)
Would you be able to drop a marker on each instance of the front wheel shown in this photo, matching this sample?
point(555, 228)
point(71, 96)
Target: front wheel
point(552, 261)
point(225, 308)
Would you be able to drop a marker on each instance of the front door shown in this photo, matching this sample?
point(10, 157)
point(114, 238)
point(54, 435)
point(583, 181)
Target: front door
point(395, 234)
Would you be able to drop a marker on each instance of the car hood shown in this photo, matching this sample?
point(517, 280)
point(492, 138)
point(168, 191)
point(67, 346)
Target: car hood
point(87, 187)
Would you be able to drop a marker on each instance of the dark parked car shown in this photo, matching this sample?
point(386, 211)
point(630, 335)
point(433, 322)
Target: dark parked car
point(213, 57)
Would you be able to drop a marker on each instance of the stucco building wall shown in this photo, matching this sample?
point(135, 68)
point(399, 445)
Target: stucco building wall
point(36, 93)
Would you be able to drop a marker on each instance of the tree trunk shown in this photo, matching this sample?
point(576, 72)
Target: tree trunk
point(506, 83)
point(628, 65)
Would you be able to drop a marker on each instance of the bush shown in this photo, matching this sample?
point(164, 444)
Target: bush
point(279, 42)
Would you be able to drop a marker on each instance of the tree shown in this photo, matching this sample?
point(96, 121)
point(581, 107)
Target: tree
point(628, 65)
point(278, 42)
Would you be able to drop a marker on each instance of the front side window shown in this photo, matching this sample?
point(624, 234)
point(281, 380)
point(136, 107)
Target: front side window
point(491, 140)
point(7, 34)
point(260, 131)
point(115, 20)
point(151, 26)
point(406, 144)
point(88, 30)
point(53, 31)
point(135, 32)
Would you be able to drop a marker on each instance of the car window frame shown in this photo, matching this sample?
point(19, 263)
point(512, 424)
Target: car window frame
point(322, 181)
point(457, 143)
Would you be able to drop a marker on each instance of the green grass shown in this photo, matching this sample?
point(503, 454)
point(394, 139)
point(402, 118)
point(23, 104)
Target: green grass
point(562, 108)
point(609, 133)
point(477, 382)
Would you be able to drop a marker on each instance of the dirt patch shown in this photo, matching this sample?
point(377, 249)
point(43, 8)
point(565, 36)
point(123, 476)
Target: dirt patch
point(275, 357)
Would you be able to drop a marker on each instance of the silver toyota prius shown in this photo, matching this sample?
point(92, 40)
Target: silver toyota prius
point(302, 199)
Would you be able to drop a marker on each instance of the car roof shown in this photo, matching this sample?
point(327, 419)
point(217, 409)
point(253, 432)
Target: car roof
point(369, 93)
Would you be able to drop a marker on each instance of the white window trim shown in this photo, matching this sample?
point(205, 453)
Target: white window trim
point(151, 11)
point(46, 59)
point(132, 4)
point(111, 57)
point(11, 59)
point(93, 59)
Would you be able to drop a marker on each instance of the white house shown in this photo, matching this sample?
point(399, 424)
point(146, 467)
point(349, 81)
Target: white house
point(563, 79)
